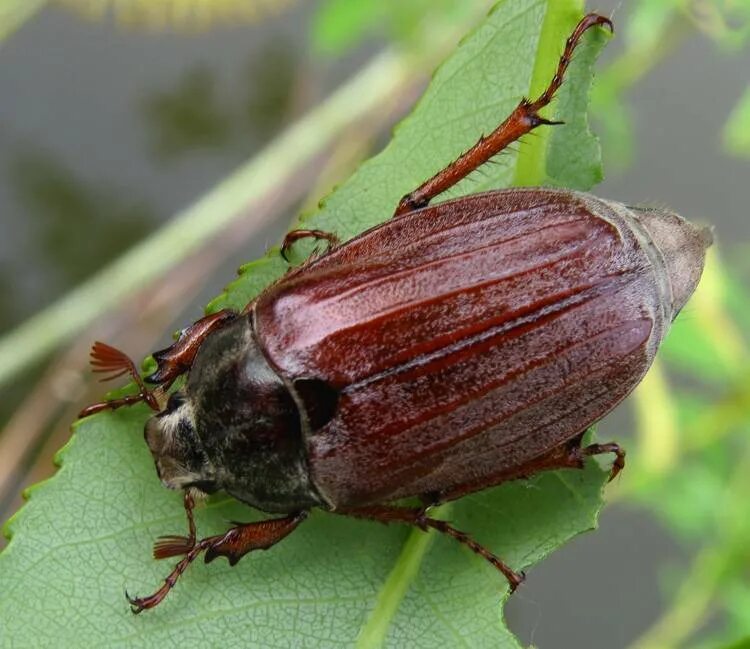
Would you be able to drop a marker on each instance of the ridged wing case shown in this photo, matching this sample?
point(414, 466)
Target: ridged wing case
point(467, 338)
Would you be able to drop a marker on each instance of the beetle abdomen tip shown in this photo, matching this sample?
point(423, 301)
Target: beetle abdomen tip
point(682, 246)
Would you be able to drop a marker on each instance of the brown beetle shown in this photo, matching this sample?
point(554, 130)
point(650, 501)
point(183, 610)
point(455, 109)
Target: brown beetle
point(445, 351)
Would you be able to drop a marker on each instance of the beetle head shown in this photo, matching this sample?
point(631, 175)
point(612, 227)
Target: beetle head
point(180, 458)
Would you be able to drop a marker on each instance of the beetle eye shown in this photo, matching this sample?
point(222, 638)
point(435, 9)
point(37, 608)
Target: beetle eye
point(206, 486)
point(175, 401)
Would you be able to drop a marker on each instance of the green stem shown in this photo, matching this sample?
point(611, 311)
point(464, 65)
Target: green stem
point(559, 21)
point(691, 603)
point(393, 591)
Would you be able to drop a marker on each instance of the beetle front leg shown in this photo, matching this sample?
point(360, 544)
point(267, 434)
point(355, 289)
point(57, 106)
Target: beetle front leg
point(234, 544)
point(176, 359)
point(524, 118)
point(173, 545)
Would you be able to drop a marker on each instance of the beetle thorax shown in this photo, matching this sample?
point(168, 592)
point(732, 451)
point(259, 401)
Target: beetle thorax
point(236, 428)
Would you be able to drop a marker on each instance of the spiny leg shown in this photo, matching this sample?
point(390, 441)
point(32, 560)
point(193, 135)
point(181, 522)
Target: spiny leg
point(416, 516)
point(138, 604)
point(524, 118)
point(233, 544)
point(297, 235)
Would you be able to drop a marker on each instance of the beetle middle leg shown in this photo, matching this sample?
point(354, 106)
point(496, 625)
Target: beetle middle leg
point(234, 544)
point(524, 118)
point(416, 516)
point(297, 235)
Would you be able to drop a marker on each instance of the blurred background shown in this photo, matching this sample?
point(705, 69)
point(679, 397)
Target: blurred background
point(129, 132)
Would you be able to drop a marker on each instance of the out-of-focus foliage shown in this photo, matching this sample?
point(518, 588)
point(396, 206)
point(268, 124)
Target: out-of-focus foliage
point(187, 117)
point(340, 25)
point(188, 15)
point(61, 206)
point(202, 112)
point(737, 129)
point(13, 13)
point(691, 464)
point(654, 30)
point(740, 644)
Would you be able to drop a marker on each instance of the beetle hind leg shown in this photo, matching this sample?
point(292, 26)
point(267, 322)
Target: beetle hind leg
point(524, 118)
point(416, 516)
point(577, 454)
point(572, 455)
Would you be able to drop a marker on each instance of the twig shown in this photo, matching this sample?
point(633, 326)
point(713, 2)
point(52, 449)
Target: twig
point(14, 13)
point(286, 156)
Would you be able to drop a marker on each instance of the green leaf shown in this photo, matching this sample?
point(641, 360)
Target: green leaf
point(85, 535)
point(736, 597)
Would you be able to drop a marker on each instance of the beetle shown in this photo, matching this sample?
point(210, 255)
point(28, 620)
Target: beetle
point(450, 349)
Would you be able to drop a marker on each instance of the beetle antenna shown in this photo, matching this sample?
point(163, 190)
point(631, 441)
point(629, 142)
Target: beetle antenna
point(109, 360)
